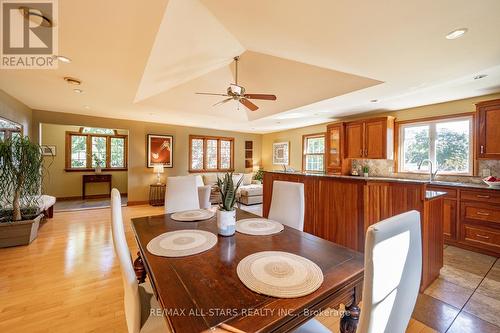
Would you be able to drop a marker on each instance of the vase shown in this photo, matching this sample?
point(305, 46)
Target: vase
point(365, 174)
point(226, 222)
point(98, 169)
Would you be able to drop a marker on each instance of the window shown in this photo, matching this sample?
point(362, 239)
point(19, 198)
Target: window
point(446, 142)
point(208, 153)
point(9, 129)
point(314, 153)
point(90, 146)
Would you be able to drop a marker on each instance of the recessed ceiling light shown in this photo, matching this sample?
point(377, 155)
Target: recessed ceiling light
point(456, 33)
point(86, 107)
point(72, 80)
point(480, 76)
point(78, 91)
point(61, 58)
point(278, 122)
point(374, 101)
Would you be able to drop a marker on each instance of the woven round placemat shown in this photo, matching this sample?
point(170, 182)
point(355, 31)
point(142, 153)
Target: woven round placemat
point(258, 226)
point(192, 215)
point(181, 243)
point(279, 274)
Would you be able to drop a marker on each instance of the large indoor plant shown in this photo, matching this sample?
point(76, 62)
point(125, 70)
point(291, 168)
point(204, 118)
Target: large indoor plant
point(20, 186)
point(226, 214)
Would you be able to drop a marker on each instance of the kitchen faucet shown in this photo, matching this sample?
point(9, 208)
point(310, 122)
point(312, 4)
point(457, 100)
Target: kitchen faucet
point(432, 175)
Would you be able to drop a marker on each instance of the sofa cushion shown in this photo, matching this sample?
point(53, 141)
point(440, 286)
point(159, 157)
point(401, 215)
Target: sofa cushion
point(247, 178)
point(210, 178)
point(236, 178)
point(251, 190)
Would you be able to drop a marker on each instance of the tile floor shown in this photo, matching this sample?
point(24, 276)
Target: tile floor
point(465, 297)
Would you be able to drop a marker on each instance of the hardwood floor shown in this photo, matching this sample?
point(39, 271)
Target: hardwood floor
point(68, 280)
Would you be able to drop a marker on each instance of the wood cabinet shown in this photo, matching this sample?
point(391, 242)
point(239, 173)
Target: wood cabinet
point(488, 133)
point(450, 211)
point(370, 138)
point(340, 209)
point(334, 147)
point(471, 218)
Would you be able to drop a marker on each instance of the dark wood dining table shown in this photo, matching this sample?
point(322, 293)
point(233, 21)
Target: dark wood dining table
point(202, 292)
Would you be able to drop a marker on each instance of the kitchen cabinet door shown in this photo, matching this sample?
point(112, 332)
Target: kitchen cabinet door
point(375, 138)
point(488, 133)
point(354, 140)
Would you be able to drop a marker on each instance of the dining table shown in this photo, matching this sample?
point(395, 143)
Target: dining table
point(202, 292)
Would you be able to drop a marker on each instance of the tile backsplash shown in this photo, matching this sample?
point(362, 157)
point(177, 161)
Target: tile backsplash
point(385, 168)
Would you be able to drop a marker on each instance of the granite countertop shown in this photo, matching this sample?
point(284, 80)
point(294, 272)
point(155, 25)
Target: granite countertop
point(394, 179)
point(429, 195)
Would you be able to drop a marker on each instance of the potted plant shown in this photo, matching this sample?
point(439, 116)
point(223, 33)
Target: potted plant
point(98, 163)
point(21, 164)
point(259, 175)
point(365, 171)
point(226, 213)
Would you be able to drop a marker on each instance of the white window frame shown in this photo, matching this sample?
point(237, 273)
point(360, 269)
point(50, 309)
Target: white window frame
point(305, 154)
point(432, 148)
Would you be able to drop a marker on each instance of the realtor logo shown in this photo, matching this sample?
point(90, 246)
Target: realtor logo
point(29, 34)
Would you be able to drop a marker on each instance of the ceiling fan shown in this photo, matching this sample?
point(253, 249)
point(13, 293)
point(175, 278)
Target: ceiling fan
point(237, 93)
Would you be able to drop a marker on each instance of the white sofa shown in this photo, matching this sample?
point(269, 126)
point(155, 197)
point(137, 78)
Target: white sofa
point(249, 192)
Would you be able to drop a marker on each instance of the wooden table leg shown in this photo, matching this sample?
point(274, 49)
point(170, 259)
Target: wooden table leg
point(349, 322)
point(140, 270)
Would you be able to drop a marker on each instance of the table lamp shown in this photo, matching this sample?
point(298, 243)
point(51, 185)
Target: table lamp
point(158, 168)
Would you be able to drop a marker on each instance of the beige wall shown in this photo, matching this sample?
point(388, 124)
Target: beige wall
point(62, 184)
point(295, 136)
point(139, 176)
point(14, 110)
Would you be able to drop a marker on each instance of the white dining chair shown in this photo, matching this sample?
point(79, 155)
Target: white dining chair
point(182, 194)
point(204, 192)
point(287, 204)
point(138, 298)
point(393, 268)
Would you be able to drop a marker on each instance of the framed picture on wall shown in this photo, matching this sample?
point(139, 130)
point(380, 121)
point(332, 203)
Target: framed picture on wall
point(281, 153)
point(160, 150)
point(48, 150)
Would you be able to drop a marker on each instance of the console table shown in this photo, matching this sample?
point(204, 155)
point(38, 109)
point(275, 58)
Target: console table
point(97, 178)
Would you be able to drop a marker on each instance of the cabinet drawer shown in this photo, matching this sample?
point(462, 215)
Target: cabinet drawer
point(480, 235)
point(482, 196)
point(450, 192)
point(483, 214)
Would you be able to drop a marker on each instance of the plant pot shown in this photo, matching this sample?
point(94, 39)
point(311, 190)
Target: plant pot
point(226, 222)
point(365, 174)
point(19, 232)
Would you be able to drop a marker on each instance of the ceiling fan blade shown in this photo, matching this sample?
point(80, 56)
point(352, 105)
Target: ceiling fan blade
point(223, 101)
point(248, 104)
point(201, 93)
point(261, 96)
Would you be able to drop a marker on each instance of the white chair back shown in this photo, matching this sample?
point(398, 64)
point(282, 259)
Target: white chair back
point(393, 268)
point(182, 194)
point(199, 180)
point(287, 204)
point(130, 285)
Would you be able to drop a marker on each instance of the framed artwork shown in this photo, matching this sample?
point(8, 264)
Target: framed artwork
point(48, 150)
point(280, 153)
point(160, 150)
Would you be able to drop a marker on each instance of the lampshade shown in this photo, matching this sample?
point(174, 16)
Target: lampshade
point(158, 168)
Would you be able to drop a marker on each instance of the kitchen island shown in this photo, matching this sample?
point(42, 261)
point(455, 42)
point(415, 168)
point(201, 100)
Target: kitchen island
point(341, 208)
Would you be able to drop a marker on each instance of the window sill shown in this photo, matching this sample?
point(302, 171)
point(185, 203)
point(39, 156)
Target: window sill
point(211, 171)
point(437, 175)
point(93, 170)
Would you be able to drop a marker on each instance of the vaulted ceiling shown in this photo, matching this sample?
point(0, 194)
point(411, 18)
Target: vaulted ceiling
point(321, 58)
